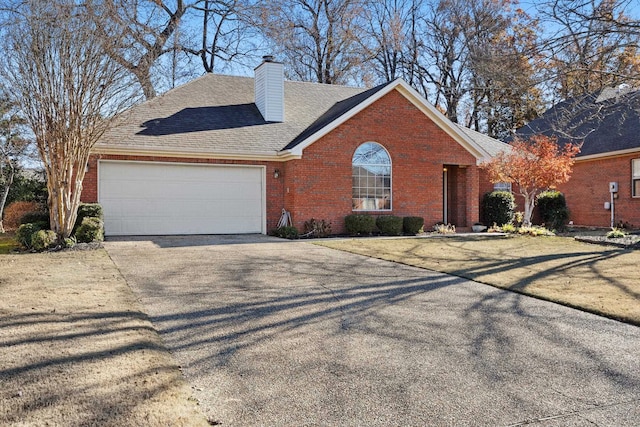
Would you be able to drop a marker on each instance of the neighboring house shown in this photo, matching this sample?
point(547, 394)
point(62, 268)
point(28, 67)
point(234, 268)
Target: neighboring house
point(607, 125)
point(226, 154)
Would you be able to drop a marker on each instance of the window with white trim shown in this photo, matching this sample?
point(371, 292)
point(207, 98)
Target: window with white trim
point(371, 175)
point(502, 186)
point(635, 177)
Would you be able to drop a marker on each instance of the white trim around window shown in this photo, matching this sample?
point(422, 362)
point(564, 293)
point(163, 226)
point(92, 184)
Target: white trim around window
point(371, 178)
point(635, 178)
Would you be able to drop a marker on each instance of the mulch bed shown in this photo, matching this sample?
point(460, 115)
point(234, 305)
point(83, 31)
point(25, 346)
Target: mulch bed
point(631, 241)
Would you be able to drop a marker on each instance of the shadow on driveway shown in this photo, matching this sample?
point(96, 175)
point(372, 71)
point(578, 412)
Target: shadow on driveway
point(289, 333)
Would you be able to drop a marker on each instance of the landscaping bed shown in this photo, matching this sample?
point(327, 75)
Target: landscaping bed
point(631, 241)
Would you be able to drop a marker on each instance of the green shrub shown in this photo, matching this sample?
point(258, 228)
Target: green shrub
point(413, 224)
point(43, 239)
point(88, 210)
point(389, 225)
point(535, 231)
point(70, 242)
point(25, 232)
point(553, 210)
point(317, 228)
point(358, 224)
point(616, 233)
point(498, 207)
point(288, 232)
point(90, 230)
point(36, 216)
point(518, 219)
point(509, 228)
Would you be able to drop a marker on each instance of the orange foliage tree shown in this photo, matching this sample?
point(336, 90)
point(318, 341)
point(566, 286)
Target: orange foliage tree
point(533, 165)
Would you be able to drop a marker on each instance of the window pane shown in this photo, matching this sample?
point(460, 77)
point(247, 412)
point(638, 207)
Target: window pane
point(636, 188)
point(371, 177)
point(636, 168)
point(502, 186)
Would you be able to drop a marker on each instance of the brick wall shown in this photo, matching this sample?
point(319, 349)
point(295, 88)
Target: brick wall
point(320, 186)
point(588, 189)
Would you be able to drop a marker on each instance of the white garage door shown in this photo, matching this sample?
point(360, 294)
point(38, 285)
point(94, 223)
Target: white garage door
point(168, 198)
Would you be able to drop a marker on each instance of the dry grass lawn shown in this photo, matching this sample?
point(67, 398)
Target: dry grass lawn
point(76, 350)
point(7, 243)
point(599, 279)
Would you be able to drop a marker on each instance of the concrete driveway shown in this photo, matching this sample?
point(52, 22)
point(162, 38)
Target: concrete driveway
point(279, 333)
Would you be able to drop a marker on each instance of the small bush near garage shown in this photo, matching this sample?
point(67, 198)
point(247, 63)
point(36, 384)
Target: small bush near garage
point(43, 239)
point(359, 224)
point(389, 225)
point(553, 210)
point(90, 230)
point(25, 232)
point(498, 207)
point(413, 225)
point(317, 228)
point(88, 210)
point(288, 232)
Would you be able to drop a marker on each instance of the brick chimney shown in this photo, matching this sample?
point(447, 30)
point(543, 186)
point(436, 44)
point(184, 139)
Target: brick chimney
point(269, 89)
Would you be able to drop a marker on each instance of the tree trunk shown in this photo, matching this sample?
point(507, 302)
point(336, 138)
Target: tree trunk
point(5, 194)
point(529, 202)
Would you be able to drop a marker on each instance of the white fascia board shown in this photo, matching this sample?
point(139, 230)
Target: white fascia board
point(608, 154)
point(416, 99)
point(268, 156)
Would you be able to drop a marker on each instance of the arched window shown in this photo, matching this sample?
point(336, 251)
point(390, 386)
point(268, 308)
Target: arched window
point(371, 178)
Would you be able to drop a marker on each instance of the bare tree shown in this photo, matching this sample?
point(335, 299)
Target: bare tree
point(224, 35)
point(138, 32)
point(503, 67)
point(595, 45)
point(68, 91)
point(13, 149)
point(387, 35)
point(317, 38)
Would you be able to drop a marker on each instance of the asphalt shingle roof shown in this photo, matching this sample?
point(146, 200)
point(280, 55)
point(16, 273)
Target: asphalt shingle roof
point(491, 145)
point(602, 122)
point(217, 114)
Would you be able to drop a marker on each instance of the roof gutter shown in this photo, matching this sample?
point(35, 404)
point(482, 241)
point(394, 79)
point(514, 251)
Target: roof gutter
point(265, 156)
point(617, 153)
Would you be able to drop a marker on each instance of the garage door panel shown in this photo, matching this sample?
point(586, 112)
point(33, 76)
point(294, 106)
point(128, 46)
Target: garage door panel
point(165, 198)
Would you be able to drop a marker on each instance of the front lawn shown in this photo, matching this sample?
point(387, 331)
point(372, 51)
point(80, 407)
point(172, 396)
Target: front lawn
point(7, 243)
point(76, 349)
point(602, 280)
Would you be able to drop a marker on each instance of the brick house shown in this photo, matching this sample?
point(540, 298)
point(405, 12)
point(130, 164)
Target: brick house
point(225, 154)
point(607, 125)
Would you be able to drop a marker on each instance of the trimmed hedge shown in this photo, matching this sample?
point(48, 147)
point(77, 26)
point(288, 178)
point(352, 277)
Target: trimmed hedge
point(553, 210)
point(90, 230)
point(413, 224)
point(43, 239)
point(358, 224)
point(25, 232)
point(88, 210)
point(498, 207)
point(389, 225)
